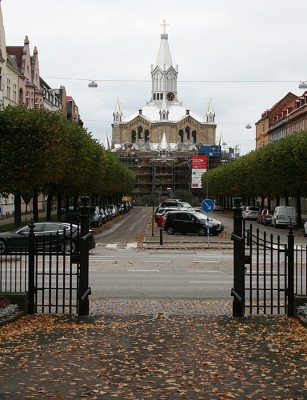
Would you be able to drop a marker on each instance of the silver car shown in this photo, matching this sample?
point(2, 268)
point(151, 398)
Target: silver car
point(250, 212)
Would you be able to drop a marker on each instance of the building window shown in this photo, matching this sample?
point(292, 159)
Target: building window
point(187, 131)
point(133, 136)
point(194, 135)
point(146, 136)
point(181, 135)
point(15, 93)
point(8, 88)
point(140, 131)
point(28, 99)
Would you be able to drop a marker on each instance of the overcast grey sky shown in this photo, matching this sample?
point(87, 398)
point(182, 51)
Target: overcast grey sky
point(243, 54)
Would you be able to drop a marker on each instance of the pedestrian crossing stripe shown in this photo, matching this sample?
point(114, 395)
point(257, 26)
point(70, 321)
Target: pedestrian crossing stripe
point(116, 245)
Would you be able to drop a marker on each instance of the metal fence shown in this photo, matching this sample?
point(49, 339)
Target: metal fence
point(14, 272)
point(268, 274)
point(51, 269)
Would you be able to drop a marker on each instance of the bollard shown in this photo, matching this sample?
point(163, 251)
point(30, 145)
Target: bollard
point(161, 236)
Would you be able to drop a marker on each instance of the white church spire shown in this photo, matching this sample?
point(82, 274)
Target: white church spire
point(164, 75)
point(117, 114)
point(210, 115)
point(164, 60)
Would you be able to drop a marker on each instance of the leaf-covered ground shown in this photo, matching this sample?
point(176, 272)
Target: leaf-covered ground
point(199, 357)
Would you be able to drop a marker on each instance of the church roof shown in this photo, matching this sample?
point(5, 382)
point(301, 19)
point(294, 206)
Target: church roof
point(151, 112)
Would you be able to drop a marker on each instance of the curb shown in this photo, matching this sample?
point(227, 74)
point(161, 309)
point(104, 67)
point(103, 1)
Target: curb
point(11, 318)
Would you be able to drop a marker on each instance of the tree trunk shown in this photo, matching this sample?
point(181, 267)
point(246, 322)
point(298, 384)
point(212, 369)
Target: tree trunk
point(35, 207)
point(298, 208)
point(59, 206)
point(49, 205)
point(17, 206)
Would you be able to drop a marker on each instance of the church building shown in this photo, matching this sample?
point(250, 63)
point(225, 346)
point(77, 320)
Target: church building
point(159, 140)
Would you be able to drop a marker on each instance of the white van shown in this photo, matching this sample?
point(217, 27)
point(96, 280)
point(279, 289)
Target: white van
point(283, 216)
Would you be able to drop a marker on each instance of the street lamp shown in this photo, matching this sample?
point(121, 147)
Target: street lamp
point(153, 198)
point(92, 84)
point(139, 166)
point(208, 158)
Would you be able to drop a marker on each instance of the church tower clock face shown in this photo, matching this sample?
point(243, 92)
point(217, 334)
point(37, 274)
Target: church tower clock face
point(170, 96)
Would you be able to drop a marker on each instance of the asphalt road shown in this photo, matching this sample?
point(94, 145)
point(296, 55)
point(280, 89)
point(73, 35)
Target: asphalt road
point(119, 269)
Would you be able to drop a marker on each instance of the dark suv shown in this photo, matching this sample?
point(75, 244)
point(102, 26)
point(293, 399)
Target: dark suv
point(191, 222)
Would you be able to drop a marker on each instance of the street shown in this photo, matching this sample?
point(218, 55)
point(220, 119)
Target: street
point(119, 268)
point(159, 274)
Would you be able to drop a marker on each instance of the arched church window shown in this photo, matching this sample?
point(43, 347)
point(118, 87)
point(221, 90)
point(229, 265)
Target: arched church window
point(194, 135)
point(181, 135)
point(146, 135)
point(187, 131)
point(133, 136)
point(140, 131)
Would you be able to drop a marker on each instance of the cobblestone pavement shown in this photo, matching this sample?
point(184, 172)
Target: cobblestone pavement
point(131, 307)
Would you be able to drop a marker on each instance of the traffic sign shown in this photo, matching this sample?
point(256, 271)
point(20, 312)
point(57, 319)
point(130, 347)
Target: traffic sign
point(207, 205)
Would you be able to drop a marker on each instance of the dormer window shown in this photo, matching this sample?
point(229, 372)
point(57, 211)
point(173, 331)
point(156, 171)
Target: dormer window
point(163, 115)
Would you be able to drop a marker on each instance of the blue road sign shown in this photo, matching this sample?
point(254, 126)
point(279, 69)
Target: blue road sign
point(207, 205)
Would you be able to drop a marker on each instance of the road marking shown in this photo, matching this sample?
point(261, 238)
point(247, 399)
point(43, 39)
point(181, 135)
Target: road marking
point(132, 245)
point(111, 246)
point(143, 270)
point(203, 270)
point(211, 282)
point(205, 261)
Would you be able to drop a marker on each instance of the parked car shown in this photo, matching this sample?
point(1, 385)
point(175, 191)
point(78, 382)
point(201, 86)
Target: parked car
point(161, 210)
point(218, 207)
point(170, 203)
point(107, 213)
point(191, 222)
point(113, 210)
point(184, 204)
point(58, 236)
point(305, 229)
point(250, 212)
point(95, 217)
point(265, 217)
point(103, 215)
point(284, 216)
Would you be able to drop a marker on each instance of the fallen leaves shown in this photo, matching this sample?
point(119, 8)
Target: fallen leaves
point(133, 358)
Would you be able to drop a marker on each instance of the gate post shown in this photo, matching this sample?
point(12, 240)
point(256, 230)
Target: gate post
point(31, 274)
point(290, 272)
point(238, 291)
point(84, 258)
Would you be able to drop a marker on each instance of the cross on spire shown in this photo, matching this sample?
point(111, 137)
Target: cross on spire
point(164, 24)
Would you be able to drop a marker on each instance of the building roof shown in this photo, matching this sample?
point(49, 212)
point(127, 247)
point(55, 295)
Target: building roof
point(16, 52)
point(151, 112)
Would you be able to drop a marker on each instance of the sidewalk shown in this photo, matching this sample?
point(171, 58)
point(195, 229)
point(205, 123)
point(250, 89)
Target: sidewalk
point(142, 357)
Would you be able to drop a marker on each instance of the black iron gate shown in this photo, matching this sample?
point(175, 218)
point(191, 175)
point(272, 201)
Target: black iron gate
point(56, 283)
point(58, 280)
point(268, 274)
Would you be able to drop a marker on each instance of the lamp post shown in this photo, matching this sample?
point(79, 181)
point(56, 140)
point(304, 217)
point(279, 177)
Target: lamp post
point(153, 198)
point(139, 166)
point(207, 166)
